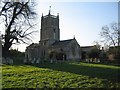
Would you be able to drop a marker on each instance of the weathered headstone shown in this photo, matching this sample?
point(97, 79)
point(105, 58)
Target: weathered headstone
point(37, 61)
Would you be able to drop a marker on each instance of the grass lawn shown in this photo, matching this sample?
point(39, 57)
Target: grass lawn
point(61, 75)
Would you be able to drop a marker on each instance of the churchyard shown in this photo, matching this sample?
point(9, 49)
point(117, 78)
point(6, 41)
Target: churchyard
point(60, 75)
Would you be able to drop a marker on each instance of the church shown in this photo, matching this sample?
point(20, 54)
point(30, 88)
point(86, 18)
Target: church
point(50, 47)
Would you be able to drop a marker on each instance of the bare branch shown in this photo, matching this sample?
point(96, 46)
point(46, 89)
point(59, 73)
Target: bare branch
point(110, 34)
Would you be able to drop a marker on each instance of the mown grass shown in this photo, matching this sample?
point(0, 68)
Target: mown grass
point(61, 75)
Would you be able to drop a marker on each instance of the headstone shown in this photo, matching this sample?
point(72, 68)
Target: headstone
point(34, 59)
point(3, 60)
point(25, 61)
point(7, 60)
point(30, 60)
point(51, 61)
point(37, 61)
point(10, 61)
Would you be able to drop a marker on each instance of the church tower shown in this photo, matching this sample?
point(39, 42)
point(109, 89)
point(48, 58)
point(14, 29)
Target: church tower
point(50, 28)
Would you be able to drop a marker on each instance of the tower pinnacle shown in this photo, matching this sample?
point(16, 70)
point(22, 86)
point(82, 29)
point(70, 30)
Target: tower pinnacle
point(74, 37)
point(49, 10)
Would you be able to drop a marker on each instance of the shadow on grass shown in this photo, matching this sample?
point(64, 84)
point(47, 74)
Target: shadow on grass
point(98, 72)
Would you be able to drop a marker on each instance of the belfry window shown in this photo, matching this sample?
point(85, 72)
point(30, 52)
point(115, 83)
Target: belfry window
point(54, 32)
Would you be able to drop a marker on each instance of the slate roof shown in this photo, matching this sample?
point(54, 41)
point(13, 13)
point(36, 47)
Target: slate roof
point(61, 43)
point(87, 48)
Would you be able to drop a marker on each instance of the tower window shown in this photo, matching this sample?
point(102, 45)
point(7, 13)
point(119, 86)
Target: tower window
point(54, 32)
point(44, 43)
point(56, 22)
point(46, 22)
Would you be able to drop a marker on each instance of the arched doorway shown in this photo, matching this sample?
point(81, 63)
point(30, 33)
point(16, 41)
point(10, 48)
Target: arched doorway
point(61, 56)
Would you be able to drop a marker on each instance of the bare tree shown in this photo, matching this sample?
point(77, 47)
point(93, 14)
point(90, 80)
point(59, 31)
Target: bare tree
point(111, 36)
point(18, 18)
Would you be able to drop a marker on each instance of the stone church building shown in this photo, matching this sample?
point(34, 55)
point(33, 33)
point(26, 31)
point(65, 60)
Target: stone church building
point(50, 47)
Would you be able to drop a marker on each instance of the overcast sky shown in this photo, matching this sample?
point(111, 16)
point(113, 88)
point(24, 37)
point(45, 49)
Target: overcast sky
point(83, 20)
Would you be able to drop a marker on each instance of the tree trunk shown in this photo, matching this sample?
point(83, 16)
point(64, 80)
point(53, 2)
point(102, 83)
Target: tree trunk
point(6, 46)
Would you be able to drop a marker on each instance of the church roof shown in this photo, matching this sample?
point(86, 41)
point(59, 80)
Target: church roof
point(62, 43)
